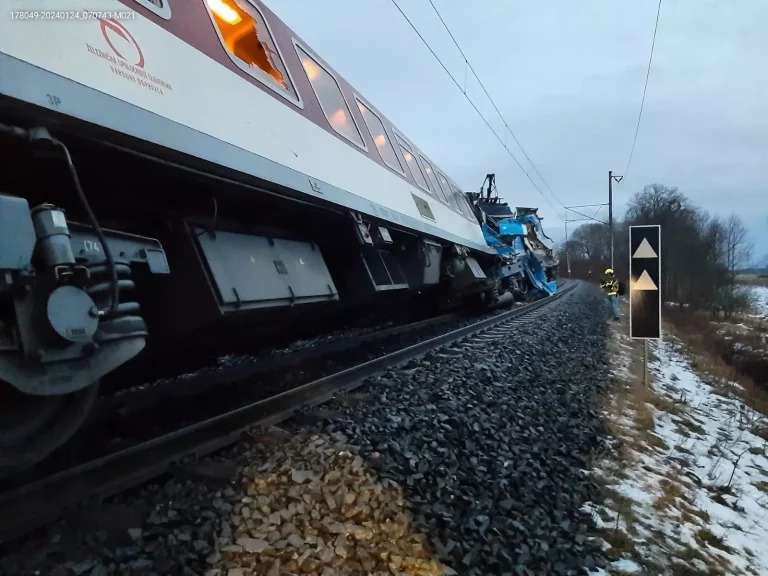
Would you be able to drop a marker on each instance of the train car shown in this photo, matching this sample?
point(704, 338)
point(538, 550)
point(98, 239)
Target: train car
point(527, 262)
point(182, 173)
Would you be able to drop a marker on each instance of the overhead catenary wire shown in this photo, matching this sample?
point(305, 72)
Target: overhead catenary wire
point(588, 217)
point(645, 89)
point(506, 125)
point(476, 108)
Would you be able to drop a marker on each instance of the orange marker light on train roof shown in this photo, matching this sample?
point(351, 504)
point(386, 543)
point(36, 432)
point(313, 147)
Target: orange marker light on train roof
point(429, 170)
point(380, 140)
point(224, 11)
point(408, 157)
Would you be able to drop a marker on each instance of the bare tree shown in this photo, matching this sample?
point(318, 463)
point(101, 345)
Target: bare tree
point(591, 241)
point(737, 251)
point(700, 253)
point(738, 248)
point(680, 234)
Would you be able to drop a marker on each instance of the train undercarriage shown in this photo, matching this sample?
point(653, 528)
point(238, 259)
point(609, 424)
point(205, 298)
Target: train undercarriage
point(119, 263)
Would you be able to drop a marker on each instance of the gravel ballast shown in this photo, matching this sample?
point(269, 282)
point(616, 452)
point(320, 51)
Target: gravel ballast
point(470, 460)
point(490, 445)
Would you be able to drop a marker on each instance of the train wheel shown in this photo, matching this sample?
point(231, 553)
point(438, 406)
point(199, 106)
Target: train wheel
point(31, 427)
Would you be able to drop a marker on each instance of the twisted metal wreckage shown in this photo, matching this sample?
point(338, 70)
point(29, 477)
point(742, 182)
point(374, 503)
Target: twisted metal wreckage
point(527, 263)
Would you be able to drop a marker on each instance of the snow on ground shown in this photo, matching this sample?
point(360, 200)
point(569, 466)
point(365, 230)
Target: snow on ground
point(687, 482)
point(759, 295)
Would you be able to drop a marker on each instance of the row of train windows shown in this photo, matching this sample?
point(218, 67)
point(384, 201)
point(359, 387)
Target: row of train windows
point(243, 31)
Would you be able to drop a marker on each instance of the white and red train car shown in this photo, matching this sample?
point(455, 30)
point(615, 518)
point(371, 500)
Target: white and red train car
point(184, 168)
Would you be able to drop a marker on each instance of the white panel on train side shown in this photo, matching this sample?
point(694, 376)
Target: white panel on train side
point(180, 83)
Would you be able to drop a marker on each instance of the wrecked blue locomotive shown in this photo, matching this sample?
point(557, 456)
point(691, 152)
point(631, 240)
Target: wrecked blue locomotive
point(527, 262)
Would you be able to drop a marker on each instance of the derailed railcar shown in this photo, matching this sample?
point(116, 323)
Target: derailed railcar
point(178, 171)
point(527, 263)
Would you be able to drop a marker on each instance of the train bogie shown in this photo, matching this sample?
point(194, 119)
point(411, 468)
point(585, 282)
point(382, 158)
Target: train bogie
point(61, 327)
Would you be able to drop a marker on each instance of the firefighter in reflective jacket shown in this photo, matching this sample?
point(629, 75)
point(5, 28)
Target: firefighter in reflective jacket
point(611, 287)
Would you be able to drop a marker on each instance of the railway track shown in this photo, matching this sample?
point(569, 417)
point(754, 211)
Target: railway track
point(241, 369)
point(30, 506)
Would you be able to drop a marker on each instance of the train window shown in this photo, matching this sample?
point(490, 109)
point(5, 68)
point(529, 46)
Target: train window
point(249, 43)
point(468, 207)
point(459, 197)
point(447, 190)
point(413, 165)
point(159, 7)
point(331, 99)
point(433, 180)
point(379, 135)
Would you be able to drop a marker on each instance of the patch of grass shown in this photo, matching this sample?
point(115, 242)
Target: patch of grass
point(758, 450)
point(692, 426)
point(687, 517)
point(662, 403)
point(762, 486)
point(656, 441)
point(644, 419)
point(733, 526)
point(707, 351)
point(685, 559)
point(703, 514)
point(705, 536)
point(670, 492)
point(685, 568)
point(621, 542)
point(720, 500)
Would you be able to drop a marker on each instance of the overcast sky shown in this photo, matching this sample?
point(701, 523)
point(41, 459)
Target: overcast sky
point(568, 77)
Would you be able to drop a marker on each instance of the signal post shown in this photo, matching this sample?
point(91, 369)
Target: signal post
point(645, 287)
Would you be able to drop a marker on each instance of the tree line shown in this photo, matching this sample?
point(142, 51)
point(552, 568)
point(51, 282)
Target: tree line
point(701, 253)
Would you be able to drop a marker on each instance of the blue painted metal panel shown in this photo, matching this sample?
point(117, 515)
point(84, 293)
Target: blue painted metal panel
point(519, 260)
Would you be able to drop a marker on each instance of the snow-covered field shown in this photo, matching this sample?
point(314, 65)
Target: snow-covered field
point(759, 295)
point(688, 478)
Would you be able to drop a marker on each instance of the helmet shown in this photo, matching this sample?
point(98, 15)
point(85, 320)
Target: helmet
point(608, 271)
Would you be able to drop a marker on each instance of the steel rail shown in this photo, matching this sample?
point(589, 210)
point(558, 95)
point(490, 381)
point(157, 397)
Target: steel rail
point(198, 382)
point(36, 504)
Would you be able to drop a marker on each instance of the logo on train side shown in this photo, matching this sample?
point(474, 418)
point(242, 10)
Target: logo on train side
point(109, 28)
point(125, 56)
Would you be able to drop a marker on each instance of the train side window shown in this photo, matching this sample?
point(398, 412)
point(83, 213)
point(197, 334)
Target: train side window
point(413, 165)
point(468, 208)
point(159, 7)
point(459, 197)
point(432, 179)
point(331, 98)
point(379, 135)
point(249, 43)
point(447, 190)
